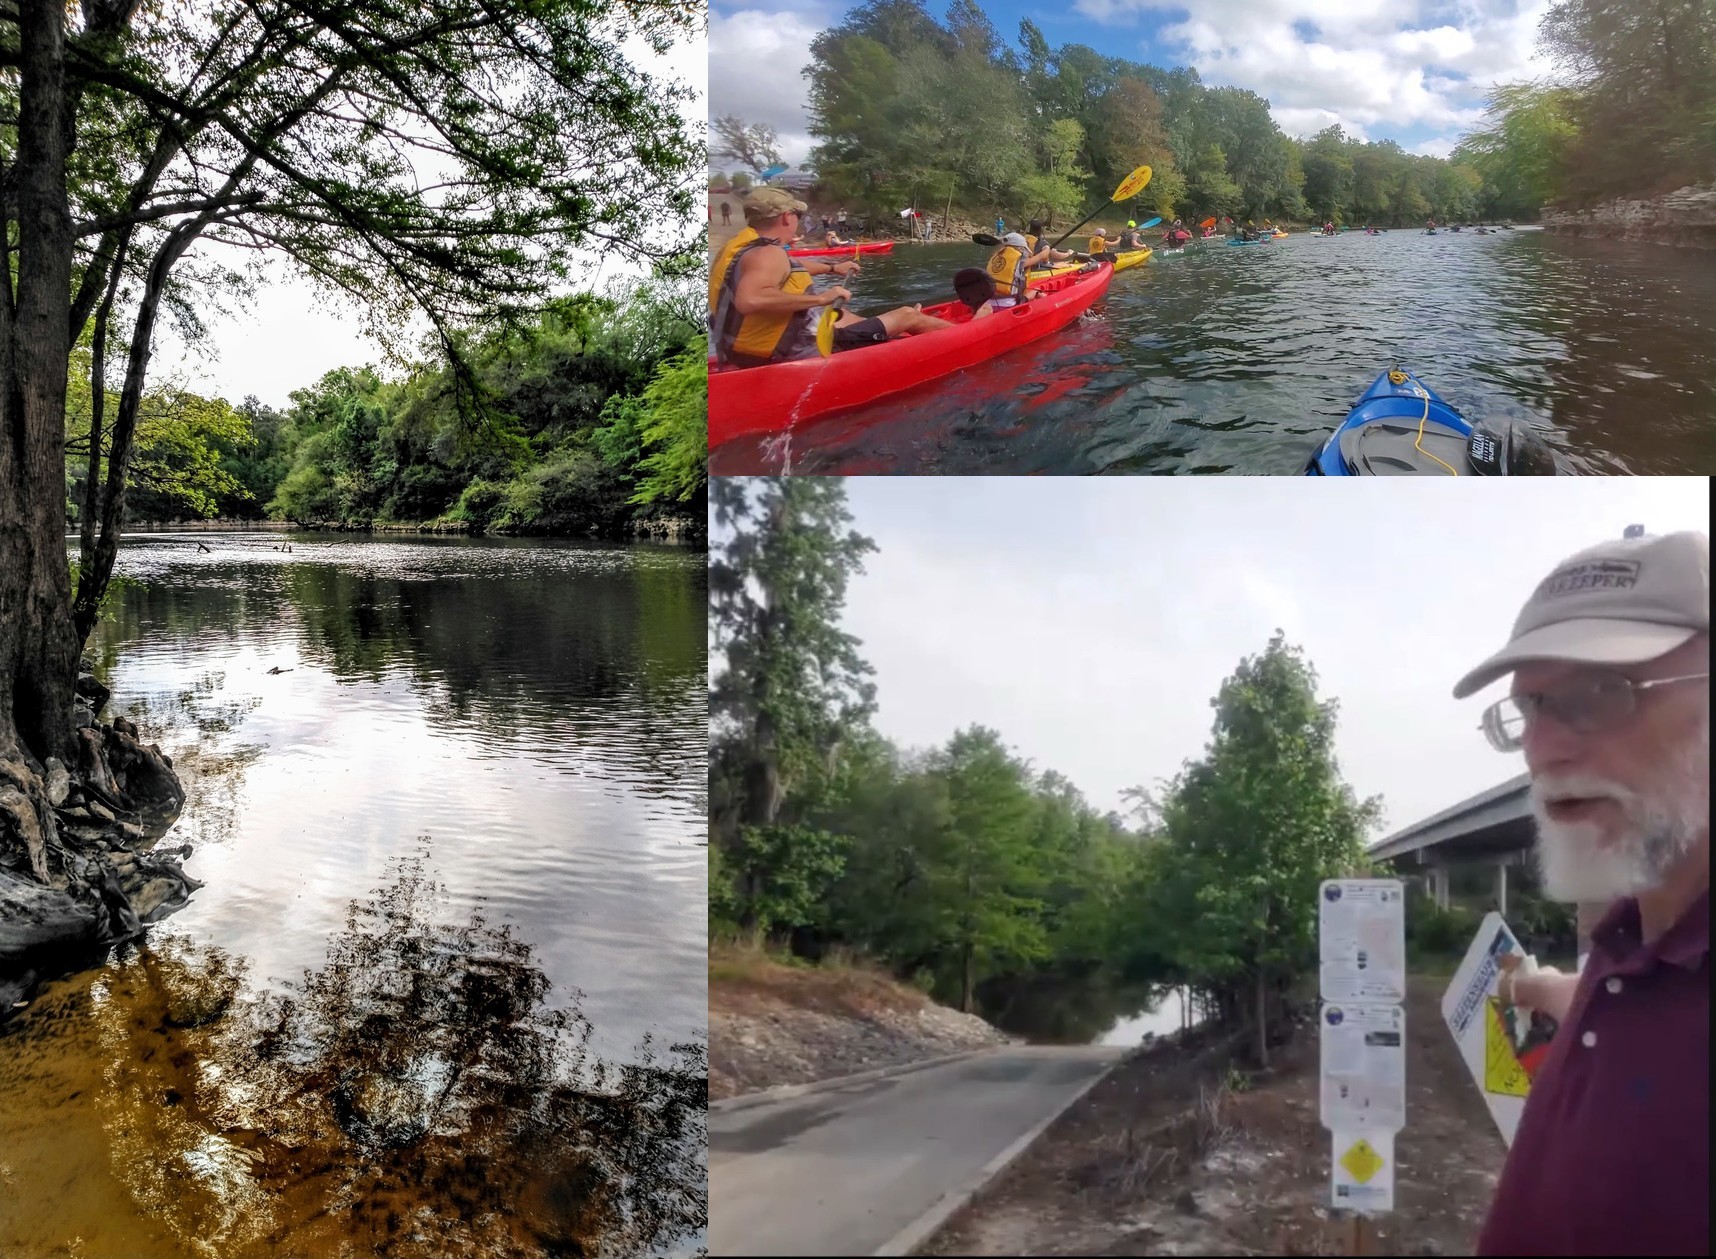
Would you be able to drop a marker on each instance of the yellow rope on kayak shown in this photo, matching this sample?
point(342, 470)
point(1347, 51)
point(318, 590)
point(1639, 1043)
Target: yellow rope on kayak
point(1398, 377)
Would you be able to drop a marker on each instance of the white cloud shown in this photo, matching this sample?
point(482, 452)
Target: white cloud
point(756, 71)
point(1380, 69)
point(1091, 621)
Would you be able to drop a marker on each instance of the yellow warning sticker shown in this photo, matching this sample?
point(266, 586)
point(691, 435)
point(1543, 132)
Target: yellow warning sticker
point(1503, 1072)
point(1362, 1161)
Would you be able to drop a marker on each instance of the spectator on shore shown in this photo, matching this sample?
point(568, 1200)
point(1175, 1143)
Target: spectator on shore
point(1610, 704)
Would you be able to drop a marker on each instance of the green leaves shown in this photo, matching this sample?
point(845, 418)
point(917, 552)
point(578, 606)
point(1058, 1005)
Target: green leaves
point(596, 409)
point(675, 428)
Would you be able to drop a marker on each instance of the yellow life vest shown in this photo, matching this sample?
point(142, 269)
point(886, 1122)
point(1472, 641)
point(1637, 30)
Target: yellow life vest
point(780, 336)
point(1098, 243)
point(1007, 268)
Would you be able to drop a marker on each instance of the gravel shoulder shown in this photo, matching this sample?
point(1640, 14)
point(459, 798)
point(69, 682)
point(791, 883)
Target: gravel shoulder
point(1176, 1153)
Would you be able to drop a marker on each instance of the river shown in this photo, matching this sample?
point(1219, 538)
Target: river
point(443, 992)
point(1164, 1018)
point(1241, 360)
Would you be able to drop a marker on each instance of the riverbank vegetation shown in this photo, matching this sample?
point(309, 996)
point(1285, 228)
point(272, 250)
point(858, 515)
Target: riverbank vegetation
point(948, 116)
point(1630, 113)
point(990, 883)
point(587, 420)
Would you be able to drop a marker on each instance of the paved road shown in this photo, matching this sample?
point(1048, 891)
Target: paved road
point(841, 1171)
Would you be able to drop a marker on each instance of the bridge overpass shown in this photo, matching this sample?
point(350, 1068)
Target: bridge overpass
point(1492, 828)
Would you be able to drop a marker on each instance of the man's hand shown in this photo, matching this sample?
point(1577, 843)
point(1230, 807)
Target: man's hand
point(1545, 989)
point(827, 297)
point(849, 267)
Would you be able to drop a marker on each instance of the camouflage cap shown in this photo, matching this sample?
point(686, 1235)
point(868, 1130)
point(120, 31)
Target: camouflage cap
point(766, 203)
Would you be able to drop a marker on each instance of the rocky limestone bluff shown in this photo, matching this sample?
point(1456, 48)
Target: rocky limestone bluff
point(1685, 217)
point(78, 865)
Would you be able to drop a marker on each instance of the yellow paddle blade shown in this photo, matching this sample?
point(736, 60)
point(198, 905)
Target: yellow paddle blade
point(825, 331)
point(1133, 184)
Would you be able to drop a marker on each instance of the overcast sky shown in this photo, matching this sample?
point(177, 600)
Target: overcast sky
point(290, 334)
point(1091, 620)
point(1413, 71)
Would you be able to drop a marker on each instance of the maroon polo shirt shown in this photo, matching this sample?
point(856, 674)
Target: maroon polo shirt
point(1612, 1156)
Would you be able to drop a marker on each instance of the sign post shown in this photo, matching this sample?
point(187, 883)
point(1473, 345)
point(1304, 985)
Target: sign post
point(1361, 934)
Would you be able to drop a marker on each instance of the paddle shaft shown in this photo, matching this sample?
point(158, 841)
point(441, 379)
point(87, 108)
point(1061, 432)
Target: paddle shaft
point(984, 238)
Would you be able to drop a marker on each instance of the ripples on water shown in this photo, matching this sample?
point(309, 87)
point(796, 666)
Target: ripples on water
point(1241, 360)
point(504, 742)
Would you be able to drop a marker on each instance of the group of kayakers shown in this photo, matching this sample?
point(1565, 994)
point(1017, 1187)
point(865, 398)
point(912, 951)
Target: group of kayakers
point(1251, 231)
point(763, 308)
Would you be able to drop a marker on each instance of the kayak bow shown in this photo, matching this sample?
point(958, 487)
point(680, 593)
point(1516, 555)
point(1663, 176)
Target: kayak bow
point(1400, 427)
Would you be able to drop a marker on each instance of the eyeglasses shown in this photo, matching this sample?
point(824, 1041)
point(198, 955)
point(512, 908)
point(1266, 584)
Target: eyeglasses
point(1592, 701)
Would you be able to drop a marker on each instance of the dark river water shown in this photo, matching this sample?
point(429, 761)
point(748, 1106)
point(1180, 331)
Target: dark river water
point(443, 992)
point(1240, 360)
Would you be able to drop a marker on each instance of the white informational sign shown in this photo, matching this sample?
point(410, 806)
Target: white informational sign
point(1361, 935)
point(1502, 1048)
point(1363, 1085)
point(1363, 1179)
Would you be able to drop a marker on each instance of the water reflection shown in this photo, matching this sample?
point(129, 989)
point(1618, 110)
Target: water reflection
point(412, 1096)
point(496, 641)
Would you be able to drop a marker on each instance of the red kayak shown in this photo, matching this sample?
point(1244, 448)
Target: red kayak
point(879, 247)
point(767, 399)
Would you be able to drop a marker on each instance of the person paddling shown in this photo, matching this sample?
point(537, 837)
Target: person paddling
point(1034, 238)
point(831, 239)
point(762, 307)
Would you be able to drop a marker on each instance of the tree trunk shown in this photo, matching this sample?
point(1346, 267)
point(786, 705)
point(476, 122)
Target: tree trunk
point(38, 650)
point(965, 986)
point(970, 927)
point(93, 578)
point(1262, 1020)
point(86, 600)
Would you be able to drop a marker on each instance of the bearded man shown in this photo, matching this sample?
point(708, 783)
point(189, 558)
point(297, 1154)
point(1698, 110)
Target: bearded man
point(1610, 702)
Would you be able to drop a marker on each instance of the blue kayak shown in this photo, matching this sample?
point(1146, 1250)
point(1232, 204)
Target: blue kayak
point(1400, 427)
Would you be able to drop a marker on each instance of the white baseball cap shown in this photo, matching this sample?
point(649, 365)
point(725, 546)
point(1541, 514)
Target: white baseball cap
point(1621, 602)
point(1016, 240)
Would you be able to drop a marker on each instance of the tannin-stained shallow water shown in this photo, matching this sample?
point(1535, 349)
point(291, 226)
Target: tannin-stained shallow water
point(443, 992)
point(1240, 360)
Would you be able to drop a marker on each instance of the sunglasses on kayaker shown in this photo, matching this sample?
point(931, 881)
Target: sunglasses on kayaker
point(1599, 699)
